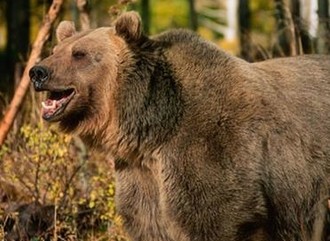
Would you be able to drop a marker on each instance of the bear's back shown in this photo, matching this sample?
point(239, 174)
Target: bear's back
point(279, 95)
point(302, 86)
point(299, 85)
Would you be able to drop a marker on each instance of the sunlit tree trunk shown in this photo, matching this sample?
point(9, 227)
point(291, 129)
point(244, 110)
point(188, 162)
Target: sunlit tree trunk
point(232, 20)
point(303, 39)
point(309, 15)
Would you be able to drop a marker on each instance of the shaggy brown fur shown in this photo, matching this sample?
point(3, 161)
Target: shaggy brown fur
point(208, 147)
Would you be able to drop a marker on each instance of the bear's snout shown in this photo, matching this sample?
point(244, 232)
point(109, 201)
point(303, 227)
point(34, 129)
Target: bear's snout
point(38, 76)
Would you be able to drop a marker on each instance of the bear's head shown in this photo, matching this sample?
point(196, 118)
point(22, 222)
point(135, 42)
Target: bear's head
point(81, 75)
point(113, 86)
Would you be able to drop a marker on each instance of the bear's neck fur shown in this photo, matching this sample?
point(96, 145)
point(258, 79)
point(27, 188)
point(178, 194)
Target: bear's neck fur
point(149, 100)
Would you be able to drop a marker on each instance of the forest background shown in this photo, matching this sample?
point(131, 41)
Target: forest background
point(51, 186)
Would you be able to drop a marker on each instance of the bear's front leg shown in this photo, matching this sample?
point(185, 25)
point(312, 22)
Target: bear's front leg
point(137, 201)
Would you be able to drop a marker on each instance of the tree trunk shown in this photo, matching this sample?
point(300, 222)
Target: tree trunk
point(145, 12)
point(18, 29)
point(244, 23)
point(192, 15)
point(287, 45)
point(303, 39)
point(323, 38)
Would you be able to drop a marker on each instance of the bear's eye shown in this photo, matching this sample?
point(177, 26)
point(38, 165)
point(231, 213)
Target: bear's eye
point(78, 54)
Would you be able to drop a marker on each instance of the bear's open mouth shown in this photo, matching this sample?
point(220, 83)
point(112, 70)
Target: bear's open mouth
point(56, 102)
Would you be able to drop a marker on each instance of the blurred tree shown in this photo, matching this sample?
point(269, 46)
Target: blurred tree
point(301, 32)
point(286, 44)
point(18, 30)
point(145, 14)
point(3, 69)
point(84, 9)
point(244, 24)
point(192, 15)
point(323, 40)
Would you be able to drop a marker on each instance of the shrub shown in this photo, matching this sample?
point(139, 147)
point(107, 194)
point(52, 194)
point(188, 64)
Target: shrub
point(47, 168)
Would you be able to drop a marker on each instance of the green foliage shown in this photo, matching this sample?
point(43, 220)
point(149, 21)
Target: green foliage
point(49, 168)
point(37, 162)
point(168, 14)
point(262, 17)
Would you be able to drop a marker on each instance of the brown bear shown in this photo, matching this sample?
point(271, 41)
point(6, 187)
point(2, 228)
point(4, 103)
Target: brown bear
point(208, 147)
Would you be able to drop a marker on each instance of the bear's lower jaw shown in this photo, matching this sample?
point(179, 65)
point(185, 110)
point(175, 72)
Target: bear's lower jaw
point(55, 105)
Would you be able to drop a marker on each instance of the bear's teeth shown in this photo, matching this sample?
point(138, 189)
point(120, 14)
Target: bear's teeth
point(52, 106)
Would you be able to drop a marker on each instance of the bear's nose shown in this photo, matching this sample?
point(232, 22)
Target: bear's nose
point(38, 75)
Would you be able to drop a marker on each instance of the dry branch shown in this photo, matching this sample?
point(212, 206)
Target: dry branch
point(21, 90)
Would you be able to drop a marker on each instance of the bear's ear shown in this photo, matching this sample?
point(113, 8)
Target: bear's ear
point(64, 30)
point(128, 26)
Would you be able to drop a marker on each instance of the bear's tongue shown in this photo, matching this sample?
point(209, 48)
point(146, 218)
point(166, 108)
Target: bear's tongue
point(50, 107)
point(54, 103)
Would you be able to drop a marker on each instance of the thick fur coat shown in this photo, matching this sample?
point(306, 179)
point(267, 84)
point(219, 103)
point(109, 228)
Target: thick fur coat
point(208, 147)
